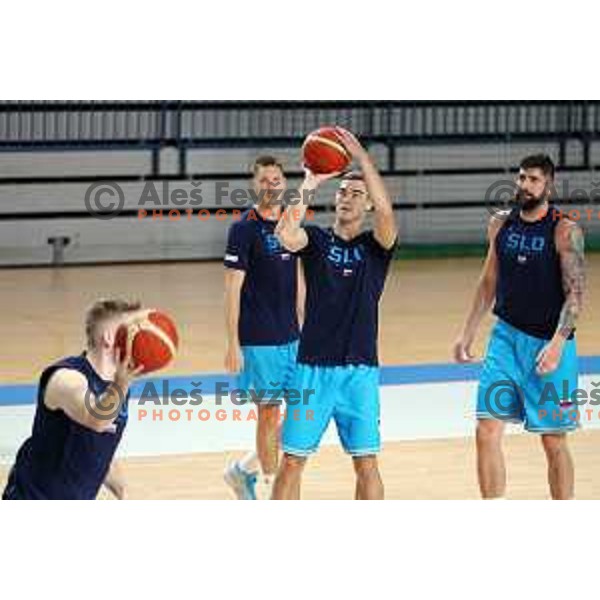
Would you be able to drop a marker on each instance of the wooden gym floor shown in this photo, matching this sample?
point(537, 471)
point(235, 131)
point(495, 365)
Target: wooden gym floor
point(422, 310)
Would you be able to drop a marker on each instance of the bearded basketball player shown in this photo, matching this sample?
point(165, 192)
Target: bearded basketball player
point(533, 277)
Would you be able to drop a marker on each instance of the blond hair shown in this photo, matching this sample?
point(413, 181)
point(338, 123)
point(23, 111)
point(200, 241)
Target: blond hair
point(103, 310)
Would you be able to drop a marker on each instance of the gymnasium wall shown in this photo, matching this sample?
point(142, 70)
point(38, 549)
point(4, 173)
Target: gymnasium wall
point(31, 214)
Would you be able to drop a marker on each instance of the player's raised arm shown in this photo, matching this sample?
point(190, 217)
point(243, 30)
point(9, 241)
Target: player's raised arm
point(68, 391)
point(385, 230)
point(485, 294)
point(289, 229)
point(570, 245)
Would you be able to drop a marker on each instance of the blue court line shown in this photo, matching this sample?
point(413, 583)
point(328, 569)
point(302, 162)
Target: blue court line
point(16, 395)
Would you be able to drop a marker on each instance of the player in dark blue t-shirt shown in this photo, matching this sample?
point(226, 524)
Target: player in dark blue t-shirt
point(263, 299)
point(80, 417)
point(534, 278)
point(337, 376)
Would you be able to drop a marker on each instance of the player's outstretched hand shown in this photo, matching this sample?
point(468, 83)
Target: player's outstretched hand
point(351, 143)
point(318, 178)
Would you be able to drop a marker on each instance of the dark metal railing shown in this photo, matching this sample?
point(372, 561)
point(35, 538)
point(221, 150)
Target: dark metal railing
point(153, 125)
point(101, 124)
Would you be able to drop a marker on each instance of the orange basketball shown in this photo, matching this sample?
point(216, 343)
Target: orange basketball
point(323, 152)
point(151, 336)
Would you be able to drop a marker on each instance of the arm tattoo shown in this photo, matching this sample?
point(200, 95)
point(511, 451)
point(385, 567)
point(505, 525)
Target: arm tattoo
point(572, 262)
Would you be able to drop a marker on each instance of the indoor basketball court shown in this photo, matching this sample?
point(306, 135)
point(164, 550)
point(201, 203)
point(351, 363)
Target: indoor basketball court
point(57, 258)
point(429, 451)
point(206, 300)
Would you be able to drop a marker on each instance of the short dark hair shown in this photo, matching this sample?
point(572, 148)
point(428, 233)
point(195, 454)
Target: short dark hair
point(539, 161)
point(266, 160)
point(103, 310)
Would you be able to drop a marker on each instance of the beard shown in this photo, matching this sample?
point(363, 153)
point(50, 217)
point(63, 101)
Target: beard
point(529, 203)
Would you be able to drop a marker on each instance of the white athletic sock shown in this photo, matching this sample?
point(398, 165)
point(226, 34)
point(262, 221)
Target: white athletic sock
point(249, 463)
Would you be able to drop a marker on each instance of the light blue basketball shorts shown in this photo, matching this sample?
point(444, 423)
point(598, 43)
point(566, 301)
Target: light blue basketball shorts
point(268, 372)
point(347, 394)
point(511, 390)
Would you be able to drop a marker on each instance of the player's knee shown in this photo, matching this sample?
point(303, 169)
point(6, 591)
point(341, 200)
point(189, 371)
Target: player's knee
point(489, 431)
point(554, 443)
point(292, 464)
point(366, 466)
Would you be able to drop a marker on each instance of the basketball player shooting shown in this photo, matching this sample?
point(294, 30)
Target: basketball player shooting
point(80, 417)
point(345, 270)
point(534, 278)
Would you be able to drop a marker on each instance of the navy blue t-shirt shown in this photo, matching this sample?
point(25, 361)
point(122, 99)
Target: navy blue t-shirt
point(268, 314)
point(344, 282)
point(63, 460)
point(529, 289)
